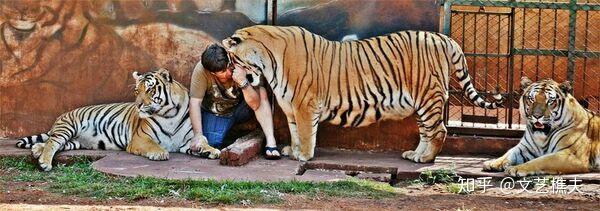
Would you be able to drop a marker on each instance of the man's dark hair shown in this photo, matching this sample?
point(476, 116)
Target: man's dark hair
point(214, 58)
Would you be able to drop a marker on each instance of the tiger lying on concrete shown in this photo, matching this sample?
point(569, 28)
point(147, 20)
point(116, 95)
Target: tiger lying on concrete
point(154, 125)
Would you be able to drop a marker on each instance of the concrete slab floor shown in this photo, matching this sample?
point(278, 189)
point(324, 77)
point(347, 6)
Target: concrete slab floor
point(181, 166)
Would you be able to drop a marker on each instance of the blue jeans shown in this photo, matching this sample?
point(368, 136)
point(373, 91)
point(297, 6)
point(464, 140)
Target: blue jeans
point(214, 127)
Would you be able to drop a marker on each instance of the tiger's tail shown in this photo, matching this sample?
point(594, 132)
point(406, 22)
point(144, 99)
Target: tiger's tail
point(459, 63)
point(28, 141)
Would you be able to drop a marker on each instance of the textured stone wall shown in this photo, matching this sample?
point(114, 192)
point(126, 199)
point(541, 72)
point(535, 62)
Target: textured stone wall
point(59, 55)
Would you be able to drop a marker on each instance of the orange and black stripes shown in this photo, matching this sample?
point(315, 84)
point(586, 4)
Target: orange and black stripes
point(111, 126)
point(356, 83)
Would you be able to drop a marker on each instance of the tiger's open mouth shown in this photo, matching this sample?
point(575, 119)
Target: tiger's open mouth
point(541, 127)
point(538, 125)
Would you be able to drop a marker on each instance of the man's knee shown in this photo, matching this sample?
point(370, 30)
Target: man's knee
point(214, 139)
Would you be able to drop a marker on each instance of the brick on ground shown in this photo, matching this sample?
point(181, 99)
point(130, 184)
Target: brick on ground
point(243, 150)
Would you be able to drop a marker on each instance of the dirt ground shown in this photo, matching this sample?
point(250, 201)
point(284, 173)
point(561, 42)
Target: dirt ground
point(412, 196)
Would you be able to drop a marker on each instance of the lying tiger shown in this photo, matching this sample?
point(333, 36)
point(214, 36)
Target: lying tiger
point(154, 125)
point(356, 83)
point(561, 136)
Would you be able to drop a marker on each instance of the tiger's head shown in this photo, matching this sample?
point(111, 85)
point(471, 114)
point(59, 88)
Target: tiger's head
point(158, 94)
point(25, 24)
point(252, 49)
point(544, 104)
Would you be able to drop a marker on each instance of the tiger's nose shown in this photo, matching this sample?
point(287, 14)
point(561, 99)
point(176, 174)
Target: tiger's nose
point(537, 116)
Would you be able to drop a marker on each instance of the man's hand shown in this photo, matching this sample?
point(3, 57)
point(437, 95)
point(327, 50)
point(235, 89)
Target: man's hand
point(196, 142)
point(239, 75)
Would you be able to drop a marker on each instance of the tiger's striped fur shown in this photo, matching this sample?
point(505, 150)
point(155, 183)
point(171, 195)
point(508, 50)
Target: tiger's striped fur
point(356, 83)
point(561, 137)
point(154, 125)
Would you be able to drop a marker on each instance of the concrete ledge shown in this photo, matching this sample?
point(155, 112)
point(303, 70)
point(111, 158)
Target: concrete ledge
point(8, 149)
point(478, 145)
point(181, 166)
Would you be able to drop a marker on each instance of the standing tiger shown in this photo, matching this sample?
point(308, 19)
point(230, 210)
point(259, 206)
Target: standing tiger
point(561, 137)
point(154, 125)
point(356, 83)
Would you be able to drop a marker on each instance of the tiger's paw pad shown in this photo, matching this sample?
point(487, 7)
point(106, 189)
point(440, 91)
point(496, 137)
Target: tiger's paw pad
point(46, 166)
point(417, 157)
point(286, 151)
point(491, 165)
point(37, 149)
point(161, 155)
point(518, 172)
point(303, 158)
point(214, 154)
point(293, 154)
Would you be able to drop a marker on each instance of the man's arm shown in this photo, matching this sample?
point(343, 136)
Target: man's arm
point(251, 97)
point(198, 87)
point(195, 115)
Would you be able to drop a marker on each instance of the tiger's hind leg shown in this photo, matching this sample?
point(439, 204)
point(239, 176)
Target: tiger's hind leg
point(37, 149)
point(432, 133)
point(54, 144)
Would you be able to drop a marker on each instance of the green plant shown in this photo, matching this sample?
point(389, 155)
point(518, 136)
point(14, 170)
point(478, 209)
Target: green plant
point(457, 188)
point(443, 176)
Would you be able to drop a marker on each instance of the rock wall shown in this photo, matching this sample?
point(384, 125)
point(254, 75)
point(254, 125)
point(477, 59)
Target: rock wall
point(59, 55)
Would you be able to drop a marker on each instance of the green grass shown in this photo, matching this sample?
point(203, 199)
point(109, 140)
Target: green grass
point(438, 176)
point(80, 179)
point(457, 188)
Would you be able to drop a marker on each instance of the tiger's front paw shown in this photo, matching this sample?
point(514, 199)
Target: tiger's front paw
point(298, 155)
point(214, 153)
point(37, 149)
point(493, 165)
point(418, 157)
point(519, 171)
point(292, 152)
point(286, 151)
point(158, 155)
point(303, 158)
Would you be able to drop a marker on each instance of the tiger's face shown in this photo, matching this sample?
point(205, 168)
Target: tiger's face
point(152, 91)
point(249, 54)
point(28, 21)
point(542, 103)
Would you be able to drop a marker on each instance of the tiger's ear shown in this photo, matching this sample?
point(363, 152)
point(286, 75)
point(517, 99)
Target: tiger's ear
point(136, 76)
point(525, 82)
point(566, 87)
point(165, 74)
point(231, 41)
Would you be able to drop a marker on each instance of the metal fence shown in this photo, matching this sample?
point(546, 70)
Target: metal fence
point(504, 40)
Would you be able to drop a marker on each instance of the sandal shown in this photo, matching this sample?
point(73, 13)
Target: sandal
point(272, 150)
